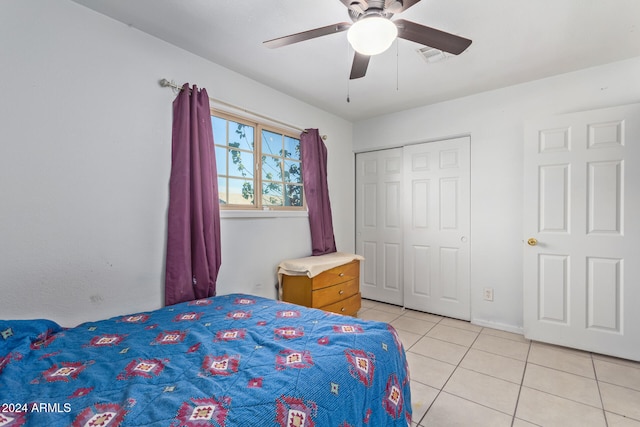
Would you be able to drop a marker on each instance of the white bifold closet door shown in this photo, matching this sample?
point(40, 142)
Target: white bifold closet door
point(379, 228)
point(436, 224)
point(581, 231)
point(412, 226)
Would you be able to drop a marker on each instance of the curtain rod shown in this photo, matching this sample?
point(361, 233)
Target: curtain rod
point(172, 84)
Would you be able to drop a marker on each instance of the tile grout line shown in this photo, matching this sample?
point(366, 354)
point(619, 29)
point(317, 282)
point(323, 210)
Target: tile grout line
point(469, 347)
point(435, 322)
point(595, 374)
point(524, 372)
point(441, 390)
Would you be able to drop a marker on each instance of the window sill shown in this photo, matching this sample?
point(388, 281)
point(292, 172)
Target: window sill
point(228, 213)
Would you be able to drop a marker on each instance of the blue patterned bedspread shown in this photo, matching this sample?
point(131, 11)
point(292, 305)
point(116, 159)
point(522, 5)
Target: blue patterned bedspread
point(233, 360)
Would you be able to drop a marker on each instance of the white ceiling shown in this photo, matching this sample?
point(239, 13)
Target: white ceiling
point(513, 41)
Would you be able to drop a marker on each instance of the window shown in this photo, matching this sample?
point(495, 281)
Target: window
point(278, 174)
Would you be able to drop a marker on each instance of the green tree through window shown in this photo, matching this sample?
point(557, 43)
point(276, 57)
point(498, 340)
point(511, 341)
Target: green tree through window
point(278, 175)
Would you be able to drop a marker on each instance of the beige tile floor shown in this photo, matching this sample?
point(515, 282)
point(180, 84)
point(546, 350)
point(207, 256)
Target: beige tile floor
point(466, 375)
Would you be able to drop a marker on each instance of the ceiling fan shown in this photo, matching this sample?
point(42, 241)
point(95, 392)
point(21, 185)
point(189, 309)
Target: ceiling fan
point(372, 32)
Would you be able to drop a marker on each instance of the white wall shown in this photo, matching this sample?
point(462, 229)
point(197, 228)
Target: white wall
point(495, 122)
point(85, 161)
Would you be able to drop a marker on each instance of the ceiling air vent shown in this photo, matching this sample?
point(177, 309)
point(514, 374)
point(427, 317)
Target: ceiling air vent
point(431, 54)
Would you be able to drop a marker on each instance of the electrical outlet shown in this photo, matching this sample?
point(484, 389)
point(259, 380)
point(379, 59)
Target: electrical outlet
point(488, 294)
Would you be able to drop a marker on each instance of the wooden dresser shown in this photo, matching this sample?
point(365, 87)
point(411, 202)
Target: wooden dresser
point(336, 290)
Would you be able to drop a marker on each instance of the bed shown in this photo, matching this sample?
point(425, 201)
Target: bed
point(232, 360)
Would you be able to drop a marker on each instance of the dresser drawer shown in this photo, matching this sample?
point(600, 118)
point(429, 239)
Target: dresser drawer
point(349, 306)
point(336, 290)
point(337, 275)
point(335, 293)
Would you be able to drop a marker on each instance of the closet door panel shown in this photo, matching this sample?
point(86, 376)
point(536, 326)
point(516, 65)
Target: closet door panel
point(412, 226)
point(379, 224)
point(436, 232)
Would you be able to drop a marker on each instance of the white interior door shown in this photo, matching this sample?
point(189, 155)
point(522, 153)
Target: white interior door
point(436, 224)
point(379, 224)
point(581, 228)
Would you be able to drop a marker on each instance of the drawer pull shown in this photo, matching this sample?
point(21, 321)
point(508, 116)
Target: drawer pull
point(341, 292)
point(342, 309)
point(341, 274)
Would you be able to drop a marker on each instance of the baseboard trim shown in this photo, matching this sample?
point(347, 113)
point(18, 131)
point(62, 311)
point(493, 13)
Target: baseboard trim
point(499, 326)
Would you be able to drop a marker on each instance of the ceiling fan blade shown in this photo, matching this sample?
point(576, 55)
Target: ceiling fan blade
point(359, 67)
point(431, 37)
point(307, 35)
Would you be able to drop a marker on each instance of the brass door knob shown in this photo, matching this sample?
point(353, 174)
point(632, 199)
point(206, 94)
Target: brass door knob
point(532, 241)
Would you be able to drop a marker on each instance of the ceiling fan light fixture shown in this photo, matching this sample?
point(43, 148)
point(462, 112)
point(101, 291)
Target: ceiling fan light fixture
point(394, 6)
point(372, 35)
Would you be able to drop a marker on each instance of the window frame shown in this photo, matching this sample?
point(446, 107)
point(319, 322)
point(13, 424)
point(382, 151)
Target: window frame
point(258, 128)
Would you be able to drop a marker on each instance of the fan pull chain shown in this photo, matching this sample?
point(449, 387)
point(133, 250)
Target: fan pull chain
point(348, 78)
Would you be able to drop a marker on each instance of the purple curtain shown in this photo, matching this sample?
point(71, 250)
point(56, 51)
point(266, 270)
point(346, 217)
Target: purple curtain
point(314, 178)
point(193, 239)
